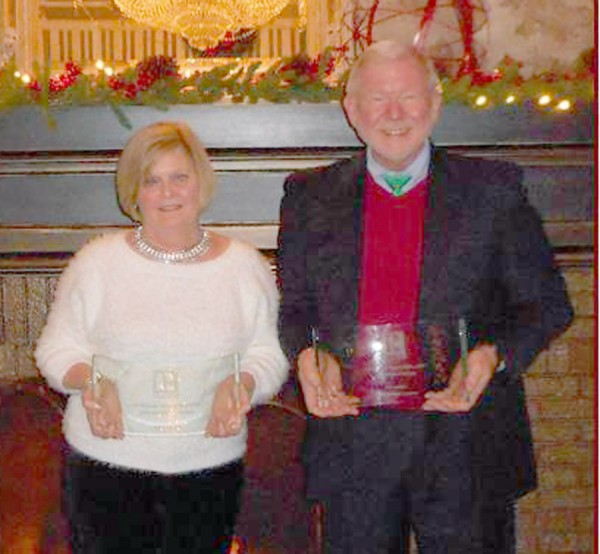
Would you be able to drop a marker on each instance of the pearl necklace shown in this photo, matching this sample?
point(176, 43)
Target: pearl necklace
point(185, 255)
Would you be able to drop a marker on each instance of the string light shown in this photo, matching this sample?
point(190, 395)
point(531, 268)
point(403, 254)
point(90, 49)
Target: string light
point(26, 78)
point(510, 99)
point(564, 105)
point(481, 100)
point(544, 100)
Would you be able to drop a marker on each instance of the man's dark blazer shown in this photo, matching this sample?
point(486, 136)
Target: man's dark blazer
point(485, 258)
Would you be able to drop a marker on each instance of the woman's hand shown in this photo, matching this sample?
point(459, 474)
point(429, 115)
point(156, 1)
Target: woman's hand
point(322, 386)
point(103, 409)
point(231, 403)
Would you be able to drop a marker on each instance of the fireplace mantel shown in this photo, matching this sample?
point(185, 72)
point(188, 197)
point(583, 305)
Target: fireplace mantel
point(278, 126)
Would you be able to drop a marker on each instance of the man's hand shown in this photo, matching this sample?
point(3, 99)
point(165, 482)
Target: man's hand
point(322, 385)
point(464, 390)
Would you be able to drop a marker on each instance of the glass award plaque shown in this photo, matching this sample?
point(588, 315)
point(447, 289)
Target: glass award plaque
point(387, 368)
point(165, 399)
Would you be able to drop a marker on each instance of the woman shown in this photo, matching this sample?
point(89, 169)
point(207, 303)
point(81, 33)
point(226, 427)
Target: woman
point(163, 337)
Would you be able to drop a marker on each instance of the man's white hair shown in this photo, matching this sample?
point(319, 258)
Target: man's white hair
point(390, 50)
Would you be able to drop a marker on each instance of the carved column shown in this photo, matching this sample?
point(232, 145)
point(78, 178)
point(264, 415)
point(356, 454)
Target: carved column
point(317, 26)
point(29, 39)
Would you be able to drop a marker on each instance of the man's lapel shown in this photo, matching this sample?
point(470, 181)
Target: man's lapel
point(434, 294)
point(337, 273)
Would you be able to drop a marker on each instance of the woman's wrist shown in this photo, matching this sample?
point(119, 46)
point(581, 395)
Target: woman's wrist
point(88, 383)
point(93, 380)
point(248, 381)
point(78, 377)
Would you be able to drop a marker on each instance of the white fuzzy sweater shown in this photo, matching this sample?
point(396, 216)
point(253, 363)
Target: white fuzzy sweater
point(112, 301)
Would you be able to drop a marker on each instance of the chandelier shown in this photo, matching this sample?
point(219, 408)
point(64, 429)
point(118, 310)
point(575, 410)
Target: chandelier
point(202, 23)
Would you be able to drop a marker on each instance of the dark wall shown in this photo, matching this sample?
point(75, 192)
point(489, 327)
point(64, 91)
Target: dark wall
point(57, 174)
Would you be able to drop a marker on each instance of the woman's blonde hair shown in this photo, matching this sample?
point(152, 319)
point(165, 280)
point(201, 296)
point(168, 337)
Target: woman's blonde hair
point(145, 147)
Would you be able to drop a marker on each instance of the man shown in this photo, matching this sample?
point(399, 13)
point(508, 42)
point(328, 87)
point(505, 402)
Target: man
point(456, 249)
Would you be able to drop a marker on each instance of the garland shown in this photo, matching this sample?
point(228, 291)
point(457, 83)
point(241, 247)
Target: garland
point(157, 81)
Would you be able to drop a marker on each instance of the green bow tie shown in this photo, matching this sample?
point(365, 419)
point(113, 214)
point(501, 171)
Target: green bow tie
point(396, 181)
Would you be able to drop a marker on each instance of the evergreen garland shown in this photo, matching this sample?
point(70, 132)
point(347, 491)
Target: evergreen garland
point(156, 81)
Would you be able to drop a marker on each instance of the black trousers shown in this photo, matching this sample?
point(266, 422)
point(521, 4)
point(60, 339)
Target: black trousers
point(498, 532)
point(394, 473)
point(498, 527)
point(114, 510)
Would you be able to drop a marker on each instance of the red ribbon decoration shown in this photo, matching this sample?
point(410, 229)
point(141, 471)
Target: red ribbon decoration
point(469, 63)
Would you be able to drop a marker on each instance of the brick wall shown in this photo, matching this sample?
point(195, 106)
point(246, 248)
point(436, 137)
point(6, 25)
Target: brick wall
point(559, 517)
